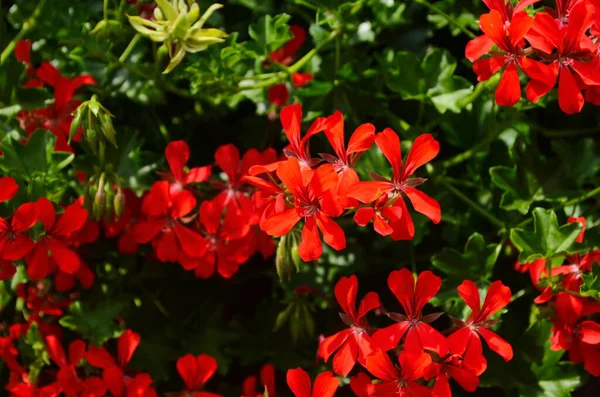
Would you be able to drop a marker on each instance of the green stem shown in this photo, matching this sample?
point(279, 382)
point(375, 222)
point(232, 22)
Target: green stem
point(479, 209)
point(130, 48)
point(27, 26)
point(292, 69)
point(101, 152)
point(574, 201)
point(464, 156)
point(549, 270)
point(565, 133)
point(306, 58)
point(105, 10)
point(450, 20)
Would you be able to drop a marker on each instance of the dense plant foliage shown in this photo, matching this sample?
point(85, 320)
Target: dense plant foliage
point(302, 197)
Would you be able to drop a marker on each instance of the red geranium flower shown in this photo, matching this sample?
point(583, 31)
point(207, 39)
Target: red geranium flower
point(291, 121)
point(54, 240)
point(113, 371)
point(574, 333)
point(398, 382)
point(353, 343)
point(178, 154)
point(423, 150)
point(15, 242)
point(221, 246)
point(267, 379)
point(413, 297)
point(481, 45)
point(509, 40)
point(57, 117)
point(466, 340)
point(164, 228)
point(299, 382)
point(195, 372)
point(67, 375)
point(315, 201)
point(573, 65)
point(361, 140)
point(452, 367)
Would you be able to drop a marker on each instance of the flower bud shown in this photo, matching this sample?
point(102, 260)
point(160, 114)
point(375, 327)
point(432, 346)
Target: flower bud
point(119, 203)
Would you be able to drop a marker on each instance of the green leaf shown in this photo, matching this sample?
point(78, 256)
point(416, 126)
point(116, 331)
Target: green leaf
point(591, 283)
point(547, 239)
point(315, 89)
point(431, 80)
point(520, 188)
point(270, 33)
point(477, 261)
point(96, 324)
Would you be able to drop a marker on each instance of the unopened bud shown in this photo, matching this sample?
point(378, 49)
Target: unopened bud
point(99, 204)
point(119, 203)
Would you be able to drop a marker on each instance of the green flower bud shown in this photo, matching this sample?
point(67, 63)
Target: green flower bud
point(119, 203)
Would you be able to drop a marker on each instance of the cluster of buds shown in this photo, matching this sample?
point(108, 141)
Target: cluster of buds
point(179, 26)
point(103, 197)
point(97, 125)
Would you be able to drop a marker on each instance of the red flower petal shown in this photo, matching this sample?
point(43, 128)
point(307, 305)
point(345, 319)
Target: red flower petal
point(333, 234)
point(345, 358)
point(128, 342)
point(8, 188)
point(508, 92)
point(325, 385)
point(310, 247)
point(570, 98)
point(389, 337)
point(65, 258)
point(389, 143)
point(299, 382)
point(177, 154)
point(496, 343)
point(424, 149)
point(332, 343)
point(478, 47)
point(380, 365)
point(470, 294)
point(23, 51)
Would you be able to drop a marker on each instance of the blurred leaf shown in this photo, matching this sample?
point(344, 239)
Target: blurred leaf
point(477, 261)
point(431, 80)
point(95, 324)
point(520, 188)
point(270, 33)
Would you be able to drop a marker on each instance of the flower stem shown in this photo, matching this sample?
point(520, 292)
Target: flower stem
point(27, 26)
point(105, 10)
point(464, 156)
point(292, 69)
point(476, 207)
point(449, 18)
point(574, 201)
point(130, 47)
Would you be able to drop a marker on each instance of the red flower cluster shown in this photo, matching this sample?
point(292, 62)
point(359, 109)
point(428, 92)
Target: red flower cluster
point(555, 44)
point(57, 117)
point(422, 351)
point(53, 252)
point(573, 329)
point(316, 190)
point(279, 94)
point(216, 236)
point(101, 373)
